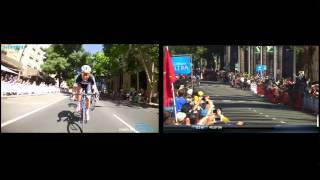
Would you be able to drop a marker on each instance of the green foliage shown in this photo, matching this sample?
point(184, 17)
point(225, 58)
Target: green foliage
point(63, 59)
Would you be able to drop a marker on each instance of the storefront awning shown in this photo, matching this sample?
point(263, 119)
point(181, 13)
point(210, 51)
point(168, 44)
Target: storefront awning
point(10, 62)
point(3, 68)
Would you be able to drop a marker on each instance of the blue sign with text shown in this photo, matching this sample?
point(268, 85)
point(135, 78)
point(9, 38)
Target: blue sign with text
point(181, 64)
point(261, 67)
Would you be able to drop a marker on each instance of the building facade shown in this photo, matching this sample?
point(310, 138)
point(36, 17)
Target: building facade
point(24, 58)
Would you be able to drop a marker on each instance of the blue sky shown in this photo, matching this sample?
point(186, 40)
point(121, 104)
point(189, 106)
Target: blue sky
point(92, 48)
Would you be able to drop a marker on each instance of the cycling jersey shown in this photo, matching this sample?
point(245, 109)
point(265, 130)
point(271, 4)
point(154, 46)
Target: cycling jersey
point(87, 85)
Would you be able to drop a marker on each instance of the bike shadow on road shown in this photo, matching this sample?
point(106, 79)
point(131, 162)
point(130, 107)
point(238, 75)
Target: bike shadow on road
point(70, 117)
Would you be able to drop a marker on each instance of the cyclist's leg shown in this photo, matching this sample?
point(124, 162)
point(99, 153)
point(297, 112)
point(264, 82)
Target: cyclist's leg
point(74, 91)
point(88, 90)
point(78, 96)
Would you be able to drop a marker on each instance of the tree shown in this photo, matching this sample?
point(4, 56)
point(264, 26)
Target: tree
point(213, 51)
point(134, 58)
point(147, 56)
point(101, 65)
point(197, 52)
point(63, 59)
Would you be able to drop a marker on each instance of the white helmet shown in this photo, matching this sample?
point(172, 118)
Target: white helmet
point(86, 69)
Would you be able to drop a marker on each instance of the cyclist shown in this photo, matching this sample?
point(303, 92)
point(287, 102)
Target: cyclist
point(87, 82)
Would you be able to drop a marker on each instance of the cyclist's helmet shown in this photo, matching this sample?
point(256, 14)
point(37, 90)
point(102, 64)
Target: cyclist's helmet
point(86, 69)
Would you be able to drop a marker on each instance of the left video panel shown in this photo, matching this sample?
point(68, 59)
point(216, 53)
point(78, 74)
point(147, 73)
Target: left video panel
point(79, 88)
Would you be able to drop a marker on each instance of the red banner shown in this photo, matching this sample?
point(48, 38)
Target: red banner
point(168, 78)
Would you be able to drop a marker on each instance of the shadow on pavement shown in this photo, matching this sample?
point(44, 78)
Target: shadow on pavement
point(74, 105)
point(72, 119)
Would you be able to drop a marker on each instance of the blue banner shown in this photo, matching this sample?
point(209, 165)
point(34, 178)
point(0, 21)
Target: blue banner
point(261, 68)
point(181, 64)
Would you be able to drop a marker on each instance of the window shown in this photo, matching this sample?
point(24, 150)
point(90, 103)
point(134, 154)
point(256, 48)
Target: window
point(39, 53)
point(37, 60)
point(34, 49)
point(35, 68)
point(29, 65)
point(30, 57)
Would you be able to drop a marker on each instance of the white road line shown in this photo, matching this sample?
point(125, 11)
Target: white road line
point(318, 120)
point(128, 125)
point(267, 115)
point(260, 113)
point(29, 113)
point(274, 118)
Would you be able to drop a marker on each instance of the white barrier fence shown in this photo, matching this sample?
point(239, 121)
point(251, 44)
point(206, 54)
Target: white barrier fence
point(24, 89)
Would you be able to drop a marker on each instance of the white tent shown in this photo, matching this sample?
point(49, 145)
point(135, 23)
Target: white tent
point(3, 68)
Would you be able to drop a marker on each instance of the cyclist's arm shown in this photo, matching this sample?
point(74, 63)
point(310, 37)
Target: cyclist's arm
point(94, 84)
point(78, 80)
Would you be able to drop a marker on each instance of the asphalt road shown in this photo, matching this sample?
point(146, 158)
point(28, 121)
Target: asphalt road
point(240, 105)
point(52, 113)
point(256, 113)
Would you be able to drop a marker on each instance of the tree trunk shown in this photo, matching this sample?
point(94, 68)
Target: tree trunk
point(253, 59)
point(275, 62)
point(149, 75)
point(264, 57)
point(280, 57)
point(294, 73)
point(306, 61)
point(315, 63)
point(243, 69)
point(60, 80)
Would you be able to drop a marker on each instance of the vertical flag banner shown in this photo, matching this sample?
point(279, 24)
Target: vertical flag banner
point(168, 78)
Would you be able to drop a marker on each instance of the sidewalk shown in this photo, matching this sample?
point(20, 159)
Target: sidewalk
point(26, 95)
point(118, 99)
point(152, 105)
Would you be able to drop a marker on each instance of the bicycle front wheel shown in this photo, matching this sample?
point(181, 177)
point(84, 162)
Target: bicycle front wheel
point(74, 128)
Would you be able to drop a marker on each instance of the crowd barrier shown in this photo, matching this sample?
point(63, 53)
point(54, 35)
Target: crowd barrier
point(23, 89)
point(297, 100)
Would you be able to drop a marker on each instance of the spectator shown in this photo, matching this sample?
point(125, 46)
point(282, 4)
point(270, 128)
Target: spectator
point(181, 118)
point(180, 100)
point(167, 119)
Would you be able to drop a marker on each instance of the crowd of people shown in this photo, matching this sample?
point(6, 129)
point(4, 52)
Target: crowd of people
point(299, 94)
point(133, 95)
point(194, 108)
point(11, 85)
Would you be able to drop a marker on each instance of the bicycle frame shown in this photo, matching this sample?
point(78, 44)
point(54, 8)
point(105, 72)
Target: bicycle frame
point(83, 106)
